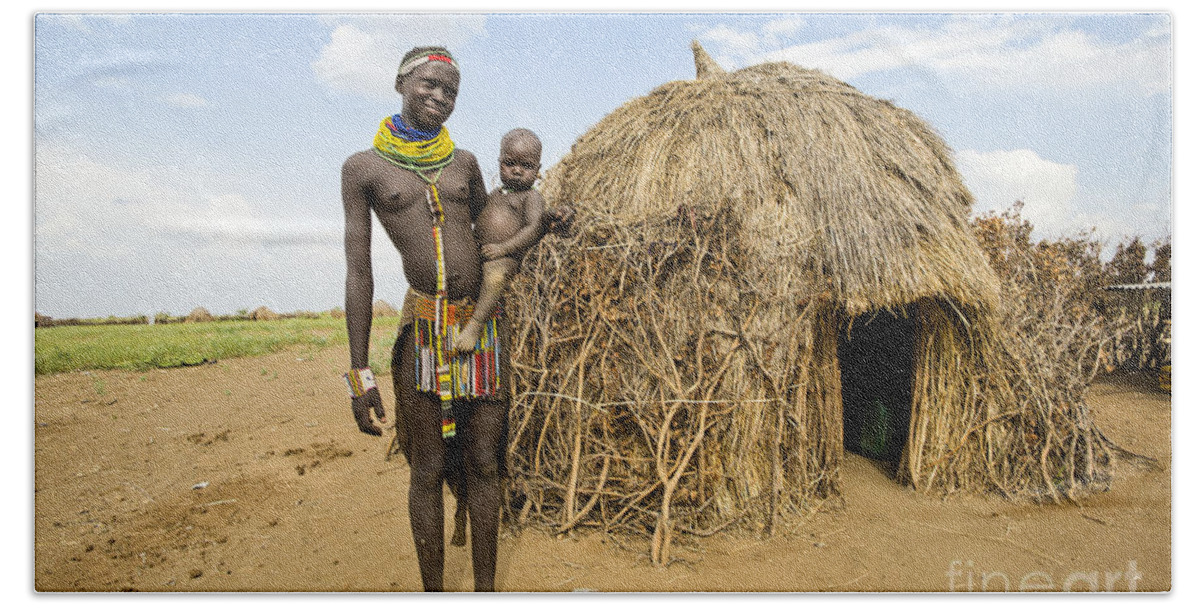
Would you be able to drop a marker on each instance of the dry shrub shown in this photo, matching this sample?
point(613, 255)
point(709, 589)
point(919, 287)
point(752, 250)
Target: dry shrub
point(1061, 283)
point(1143, 316)
point(1161, 267)
point(337, 313)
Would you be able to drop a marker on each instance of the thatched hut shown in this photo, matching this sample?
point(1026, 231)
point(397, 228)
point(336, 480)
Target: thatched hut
point(749, 247)
point(199, 314)
point(382, 309)
point(262, 313)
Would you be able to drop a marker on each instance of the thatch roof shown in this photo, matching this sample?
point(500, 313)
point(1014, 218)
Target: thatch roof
point(861, 193)
point(706, 67)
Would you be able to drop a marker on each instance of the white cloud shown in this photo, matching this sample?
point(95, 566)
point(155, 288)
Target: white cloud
point(353, 61)
point(786, 26)
point(1001, 177)
point(734, 41)
point(110, 201)
point(185, 100)
point(112, 239)
point(127, 68)
point(363, 52)
point(985, 50)
point(231, 218)
point(732, 46)
point(130, 61)
point(118, 202)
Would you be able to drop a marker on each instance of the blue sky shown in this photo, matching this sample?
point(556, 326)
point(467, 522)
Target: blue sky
point(192, 160)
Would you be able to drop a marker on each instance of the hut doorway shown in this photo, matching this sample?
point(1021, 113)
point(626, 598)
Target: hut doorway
point(875, 354)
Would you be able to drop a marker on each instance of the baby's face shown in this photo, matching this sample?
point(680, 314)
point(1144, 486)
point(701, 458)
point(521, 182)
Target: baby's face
point(520, 162)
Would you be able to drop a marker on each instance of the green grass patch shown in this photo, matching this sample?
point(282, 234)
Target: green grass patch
point(381, 349)
point(142, 347)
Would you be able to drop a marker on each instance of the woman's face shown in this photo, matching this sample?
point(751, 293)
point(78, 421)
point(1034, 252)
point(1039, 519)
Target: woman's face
point(429, 92)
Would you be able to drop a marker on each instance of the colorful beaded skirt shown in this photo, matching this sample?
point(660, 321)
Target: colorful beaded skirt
point(471, 375)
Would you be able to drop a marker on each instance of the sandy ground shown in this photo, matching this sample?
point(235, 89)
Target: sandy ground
point(249, 475)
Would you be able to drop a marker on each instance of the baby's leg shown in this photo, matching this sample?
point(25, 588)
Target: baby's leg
point(496, 274)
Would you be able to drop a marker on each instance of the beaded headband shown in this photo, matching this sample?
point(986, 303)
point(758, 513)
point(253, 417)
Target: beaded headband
point(412, 64)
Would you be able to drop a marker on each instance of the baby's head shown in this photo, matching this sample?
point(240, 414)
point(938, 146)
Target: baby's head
point(520, 159)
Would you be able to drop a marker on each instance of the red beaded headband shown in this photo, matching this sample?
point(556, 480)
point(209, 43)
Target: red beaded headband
point(412, 64)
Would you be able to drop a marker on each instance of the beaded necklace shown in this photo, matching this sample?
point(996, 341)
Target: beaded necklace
point(416, 155)
point(419, 156)
point(507, 190)
point(400, 128)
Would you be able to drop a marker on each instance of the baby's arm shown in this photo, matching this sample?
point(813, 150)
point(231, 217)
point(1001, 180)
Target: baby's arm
point(496, 274)
point(527, 236)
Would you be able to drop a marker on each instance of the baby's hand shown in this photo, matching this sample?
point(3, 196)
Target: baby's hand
point(493, 251)
point(465, 341)
point(559, 219)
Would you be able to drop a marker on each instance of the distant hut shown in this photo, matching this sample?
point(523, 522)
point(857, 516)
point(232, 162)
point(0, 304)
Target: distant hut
point(262, 313)
point(750, 249)
point(382, 309)
point(199, 315)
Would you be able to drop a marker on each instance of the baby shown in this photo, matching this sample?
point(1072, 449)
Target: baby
point(508, 226)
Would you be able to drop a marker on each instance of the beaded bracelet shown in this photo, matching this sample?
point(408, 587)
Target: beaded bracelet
point(359, 381)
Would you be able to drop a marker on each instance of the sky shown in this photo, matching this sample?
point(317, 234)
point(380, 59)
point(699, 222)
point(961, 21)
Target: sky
point(193, 160)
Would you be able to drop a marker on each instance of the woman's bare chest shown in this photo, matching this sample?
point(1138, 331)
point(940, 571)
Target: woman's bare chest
point(400, 192)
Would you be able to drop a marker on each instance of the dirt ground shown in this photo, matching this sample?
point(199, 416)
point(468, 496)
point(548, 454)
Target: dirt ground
point(249, 475)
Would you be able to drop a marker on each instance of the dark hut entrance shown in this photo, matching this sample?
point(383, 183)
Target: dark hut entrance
point(875, 353)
